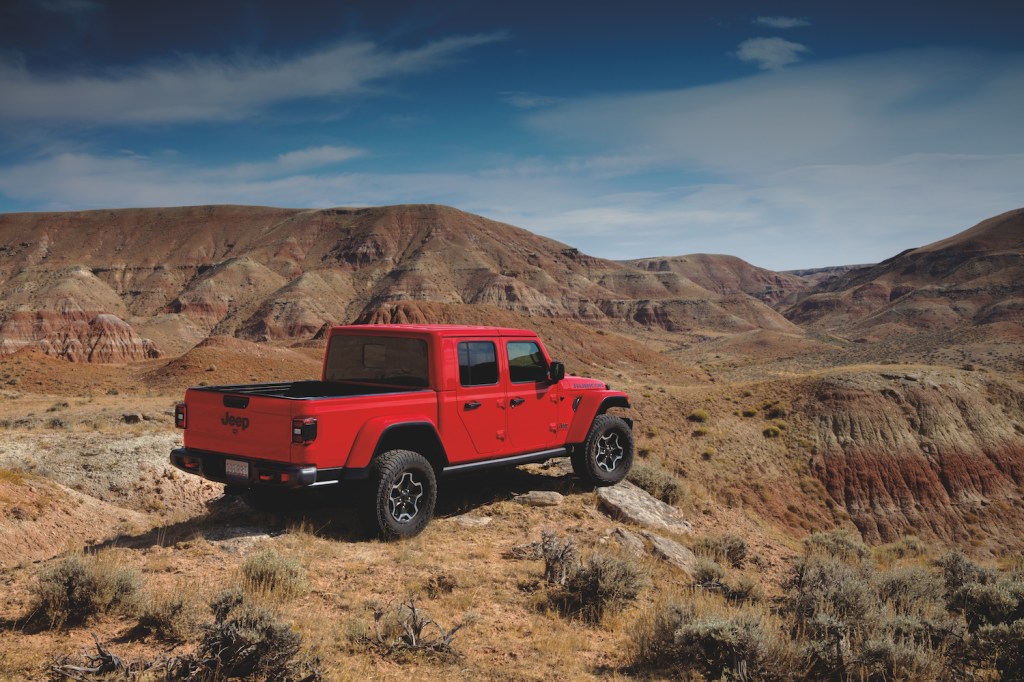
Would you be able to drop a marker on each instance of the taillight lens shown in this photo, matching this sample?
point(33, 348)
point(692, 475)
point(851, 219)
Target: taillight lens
point(304, 430)
point(181, 415)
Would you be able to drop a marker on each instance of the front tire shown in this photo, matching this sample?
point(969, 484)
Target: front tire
point(606, 456)
point(403, 491)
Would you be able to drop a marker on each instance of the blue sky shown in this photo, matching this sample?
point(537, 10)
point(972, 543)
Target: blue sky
point(791, 134)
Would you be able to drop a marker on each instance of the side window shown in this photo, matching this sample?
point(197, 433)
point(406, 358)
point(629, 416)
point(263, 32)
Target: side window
point(478, 363)
point(526, 362)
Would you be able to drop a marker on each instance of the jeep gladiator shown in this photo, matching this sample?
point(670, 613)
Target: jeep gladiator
point(397, 406)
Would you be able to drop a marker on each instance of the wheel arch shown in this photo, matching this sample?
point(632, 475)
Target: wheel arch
point(421, 437)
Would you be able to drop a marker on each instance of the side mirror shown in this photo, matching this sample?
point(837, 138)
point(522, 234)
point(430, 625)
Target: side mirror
point(556, 372)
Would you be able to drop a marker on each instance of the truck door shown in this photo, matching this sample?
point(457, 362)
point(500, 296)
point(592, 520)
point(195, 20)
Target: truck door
point(481, 396)
point(532, 400)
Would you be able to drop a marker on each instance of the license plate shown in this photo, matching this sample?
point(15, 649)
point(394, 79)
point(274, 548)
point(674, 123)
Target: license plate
point(236, 469)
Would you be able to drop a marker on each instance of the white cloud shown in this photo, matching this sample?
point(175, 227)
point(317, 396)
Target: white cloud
point(837, 162)
point(859, 110)
point(782, 22)
point(201, 89)
point(770, 54)
point(528, 100)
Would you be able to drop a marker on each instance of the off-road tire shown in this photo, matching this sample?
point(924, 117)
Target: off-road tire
point(403, 492)
point(606, 455)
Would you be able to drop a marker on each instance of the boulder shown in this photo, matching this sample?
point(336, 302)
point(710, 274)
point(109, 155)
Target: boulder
point(627, 502)
point(672, 553)
point(539, 498)
point(630, 542)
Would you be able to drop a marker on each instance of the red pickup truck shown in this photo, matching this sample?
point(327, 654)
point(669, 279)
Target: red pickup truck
point(399, 405)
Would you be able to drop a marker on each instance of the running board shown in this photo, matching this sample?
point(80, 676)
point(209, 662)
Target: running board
point(528, 458)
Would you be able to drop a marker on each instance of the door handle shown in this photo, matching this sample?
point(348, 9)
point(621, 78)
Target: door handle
point(472, 405)
point(516, 401)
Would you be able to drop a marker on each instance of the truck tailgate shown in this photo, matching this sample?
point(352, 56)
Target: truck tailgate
point(249, 426)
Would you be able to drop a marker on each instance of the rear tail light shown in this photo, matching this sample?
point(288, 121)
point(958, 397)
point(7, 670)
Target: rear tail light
point(304, 430)
point(180, 415)
point(191, 463)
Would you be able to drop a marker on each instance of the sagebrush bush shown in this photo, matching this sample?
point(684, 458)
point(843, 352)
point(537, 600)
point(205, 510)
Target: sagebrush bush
point(958, 570)
point(989, 604)
point(406, 628)
point(246, 641)
point(839, 543)
point(772, 432)
point(731, 549)
point(79, 587)
point(743, 645)
point(659, 482)
point(269, 571)
point(588, 588)
point(823, 591)
point(907, 547)
point(910, 590)
point(708, 573)
point(698, 416)
point(171, 618)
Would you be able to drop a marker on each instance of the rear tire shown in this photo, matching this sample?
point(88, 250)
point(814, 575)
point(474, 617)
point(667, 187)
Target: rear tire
point(606, 456)
point(403, 492)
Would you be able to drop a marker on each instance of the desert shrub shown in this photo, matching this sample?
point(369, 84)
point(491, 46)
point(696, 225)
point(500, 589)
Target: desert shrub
point(775, 411)
point(907, 547)
point(895, 658)
point(708, 573)
point(730, 549)
point(170, 618)
point(749, 412)
point(909, 590)
point(561, 558)
point(1002, 647)
point(772, 432)
point(698, 416)
point(741, 646)
point(659, 482)
point(823, 592)
point(245, 641)
point(707, 453)
point(839, 543)
point(269, 571)
point(603, 583)
point(989, 604)
point(958, 570)
point(406, 628)
point(699, 432)
point(743, 589)
point(79, 587)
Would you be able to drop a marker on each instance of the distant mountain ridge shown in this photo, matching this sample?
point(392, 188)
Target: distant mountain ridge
point(168, 278)
point(975, 277)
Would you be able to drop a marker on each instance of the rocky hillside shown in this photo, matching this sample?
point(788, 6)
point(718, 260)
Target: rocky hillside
point(728, 275)
point(973, 278)
point(129, 284)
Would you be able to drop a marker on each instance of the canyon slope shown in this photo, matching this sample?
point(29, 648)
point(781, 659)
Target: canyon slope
point(126, 285)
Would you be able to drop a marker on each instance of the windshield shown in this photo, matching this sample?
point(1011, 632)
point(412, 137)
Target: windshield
point(394, 361)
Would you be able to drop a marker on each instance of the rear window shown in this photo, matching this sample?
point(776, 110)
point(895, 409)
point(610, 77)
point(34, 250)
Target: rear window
point(394, 361)
point(478, 363)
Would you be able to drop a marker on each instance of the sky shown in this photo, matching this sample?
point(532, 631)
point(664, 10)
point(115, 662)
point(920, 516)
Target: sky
point(790, 134)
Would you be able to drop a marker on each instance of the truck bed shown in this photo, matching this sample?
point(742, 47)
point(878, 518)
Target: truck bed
point(307, 390)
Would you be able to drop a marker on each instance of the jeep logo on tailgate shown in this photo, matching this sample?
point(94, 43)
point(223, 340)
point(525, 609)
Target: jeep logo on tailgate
point(235, 422)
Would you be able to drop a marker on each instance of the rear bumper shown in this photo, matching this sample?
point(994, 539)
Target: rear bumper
point(262, 473)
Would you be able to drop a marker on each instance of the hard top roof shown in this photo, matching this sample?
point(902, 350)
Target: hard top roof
point(446, 330)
